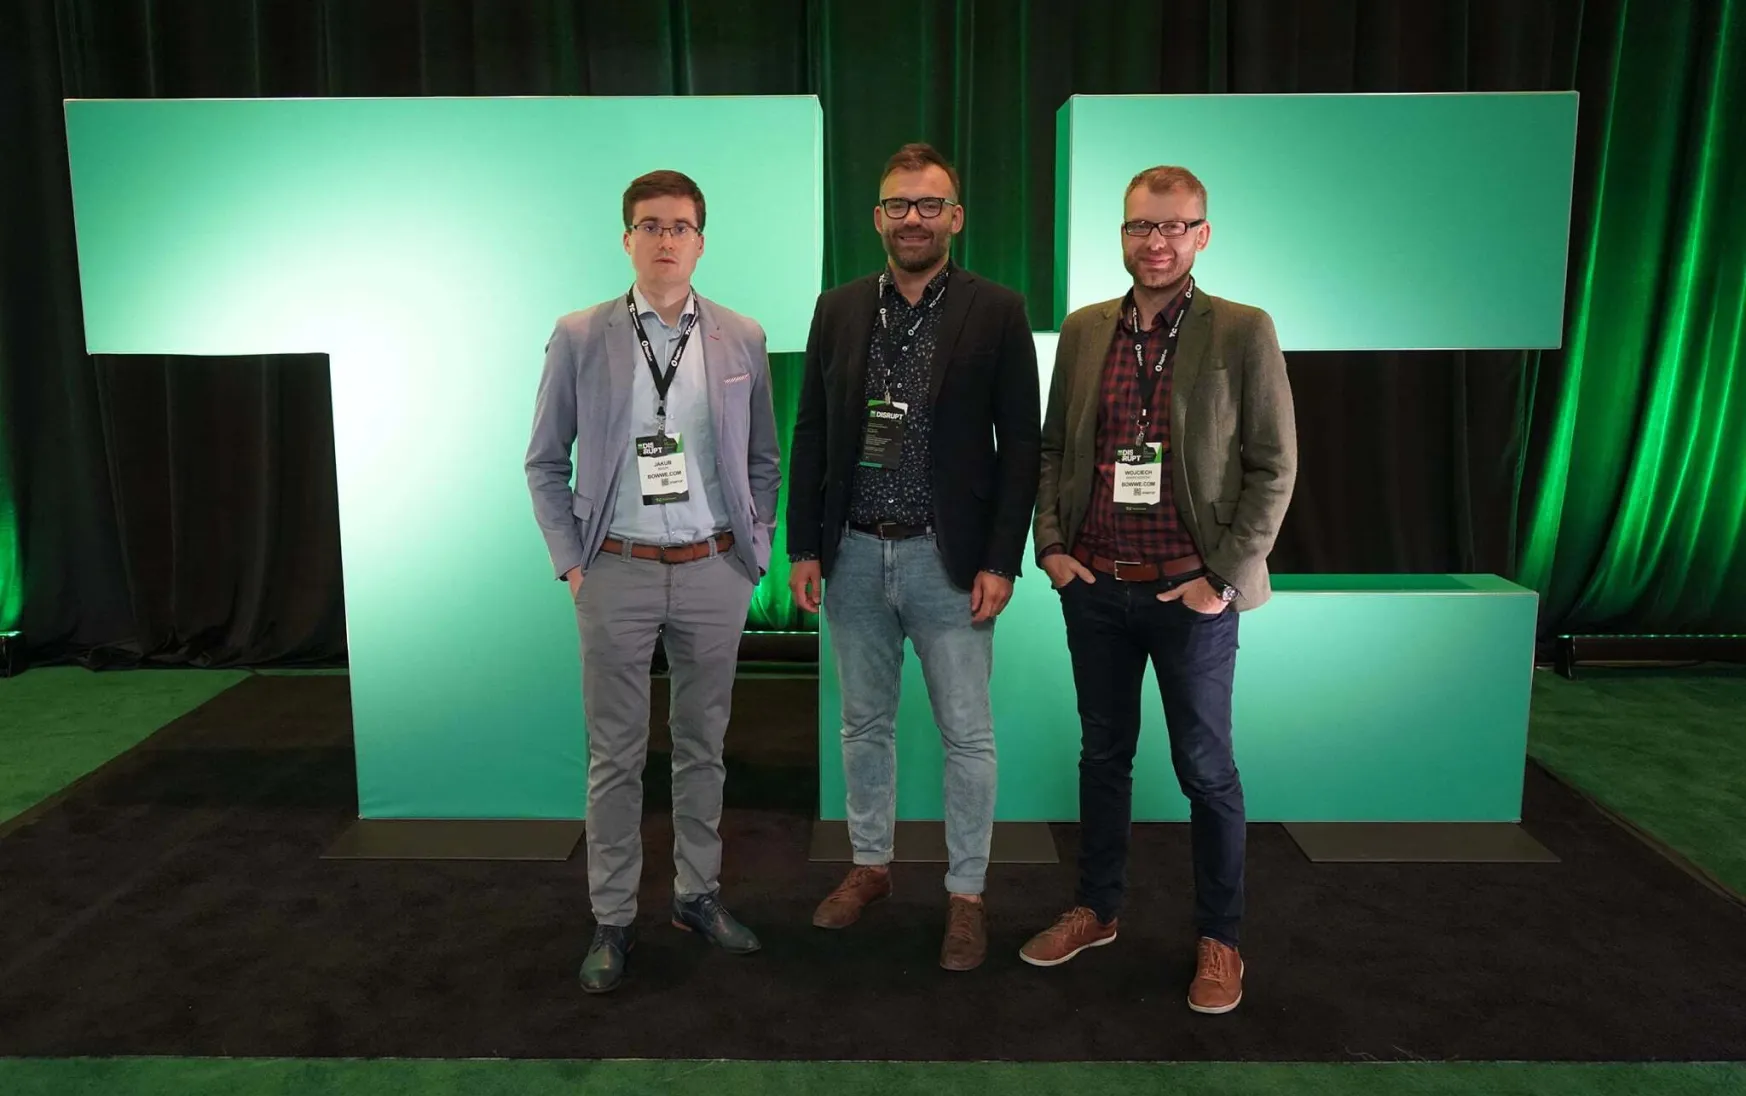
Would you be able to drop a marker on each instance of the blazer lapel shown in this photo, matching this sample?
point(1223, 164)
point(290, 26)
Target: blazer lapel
point(623, 359)
point(1088, 374)
point(1192, 343)
point(857, 336)
point(706, 337)
point(960, 294)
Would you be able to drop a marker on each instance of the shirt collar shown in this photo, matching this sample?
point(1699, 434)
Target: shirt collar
point(646, 310)
point(1166, 316)
point(936, 284)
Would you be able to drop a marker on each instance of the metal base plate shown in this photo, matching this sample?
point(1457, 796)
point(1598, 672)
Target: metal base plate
point(925, 843)
point(457, 839)
point(1418, 843)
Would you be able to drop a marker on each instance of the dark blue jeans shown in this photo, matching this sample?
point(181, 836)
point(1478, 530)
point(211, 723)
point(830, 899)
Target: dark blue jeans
point(1113, 628)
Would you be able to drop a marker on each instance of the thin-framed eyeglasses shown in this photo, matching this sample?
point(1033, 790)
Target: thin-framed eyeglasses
point(683, 230)
point(1143, 229)
point(898, 208)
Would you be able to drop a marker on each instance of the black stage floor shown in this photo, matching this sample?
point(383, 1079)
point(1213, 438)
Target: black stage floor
point(177, 904)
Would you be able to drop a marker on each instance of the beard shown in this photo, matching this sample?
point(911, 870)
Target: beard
point(1174, 274)
point(913, 258)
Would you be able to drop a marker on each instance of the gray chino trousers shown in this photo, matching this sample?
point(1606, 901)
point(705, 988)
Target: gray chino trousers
point(620, 609)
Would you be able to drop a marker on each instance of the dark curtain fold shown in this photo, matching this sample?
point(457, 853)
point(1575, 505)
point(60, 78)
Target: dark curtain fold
point(176, 510)
point(1634, 499)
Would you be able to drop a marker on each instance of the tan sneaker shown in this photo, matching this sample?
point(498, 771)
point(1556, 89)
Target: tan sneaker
point(859, 889)
point(1218, 979)
point(1072, 933)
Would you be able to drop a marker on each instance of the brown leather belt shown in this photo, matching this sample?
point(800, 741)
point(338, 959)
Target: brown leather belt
point(677, 553)
point(1131, 571)
point(890, 530)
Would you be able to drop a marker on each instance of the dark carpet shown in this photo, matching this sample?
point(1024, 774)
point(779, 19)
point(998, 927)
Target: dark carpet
point(177, 904)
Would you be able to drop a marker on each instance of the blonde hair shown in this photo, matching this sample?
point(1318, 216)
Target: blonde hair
point(1163, 179)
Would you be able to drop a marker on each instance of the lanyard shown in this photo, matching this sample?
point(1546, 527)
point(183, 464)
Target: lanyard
point(1149, 381)
point(885, 324)
point(663, 381)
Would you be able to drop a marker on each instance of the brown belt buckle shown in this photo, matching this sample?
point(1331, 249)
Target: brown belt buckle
point(879, 529)
point(1120, 563)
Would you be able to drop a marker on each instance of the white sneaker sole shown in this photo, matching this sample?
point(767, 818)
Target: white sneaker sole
point(1222, 1009)
point(1110, 939)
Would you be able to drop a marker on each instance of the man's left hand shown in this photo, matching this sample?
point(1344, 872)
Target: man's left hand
point(988, 596)
point(1198, 595)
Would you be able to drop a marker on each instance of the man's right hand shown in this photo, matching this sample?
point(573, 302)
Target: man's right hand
point(1063, 568)
point(574, 577)
point(806, 583)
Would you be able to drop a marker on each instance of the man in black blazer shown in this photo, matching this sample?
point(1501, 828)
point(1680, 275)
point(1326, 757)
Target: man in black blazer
point(913, 473)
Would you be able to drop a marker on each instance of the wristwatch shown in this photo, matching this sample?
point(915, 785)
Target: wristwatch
point(801, 557)
point(1227, 593)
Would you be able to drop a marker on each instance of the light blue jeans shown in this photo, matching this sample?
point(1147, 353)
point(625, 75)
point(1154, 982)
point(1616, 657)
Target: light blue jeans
point(878, 593)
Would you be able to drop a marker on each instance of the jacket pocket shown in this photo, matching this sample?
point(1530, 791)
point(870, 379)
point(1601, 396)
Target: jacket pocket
point(582, 506)
point(1224, 511)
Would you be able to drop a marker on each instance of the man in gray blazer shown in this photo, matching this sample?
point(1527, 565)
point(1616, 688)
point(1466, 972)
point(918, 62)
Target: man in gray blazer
point(665, 397)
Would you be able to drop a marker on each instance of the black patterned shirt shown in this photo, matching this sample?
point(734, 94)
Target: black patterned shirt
point(901, 354)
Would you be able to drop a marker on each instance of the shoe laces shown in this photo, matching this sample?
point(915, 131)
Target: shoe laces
point(962, 923)
point(857, 875)
point(1215, 960)
point(707, 906)
point(613, 935)
point(1075, 922)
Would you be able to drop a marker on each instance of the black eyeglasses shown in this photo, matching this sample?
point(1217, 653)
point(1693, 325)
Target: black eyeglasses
point(680, 231)
point(898, 208)
point(1143, 229)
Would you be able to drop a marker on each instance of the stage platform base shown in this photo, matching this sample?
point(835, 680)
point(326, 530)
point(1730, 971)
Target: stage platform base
point(1418, 843)
point(457, 839)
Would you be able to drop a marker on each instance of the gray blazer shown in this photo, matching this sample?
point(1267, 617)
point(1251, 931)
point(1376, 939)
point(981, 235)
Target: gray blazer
point(584, 401)
point(1232, 426)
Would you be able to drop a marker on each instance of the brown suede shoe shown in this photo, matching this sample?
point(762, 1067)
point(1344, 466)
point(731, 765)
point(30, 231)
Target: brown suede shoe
point(966, 943)
point(1072, 933)
point(1218, 979)
point(859, 889)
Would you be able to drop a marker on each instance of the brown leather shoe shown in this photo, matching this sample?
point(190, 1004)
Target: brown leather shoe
point(1218, 979)
point(966, 943)
point(1072, 933)
point(859, 889)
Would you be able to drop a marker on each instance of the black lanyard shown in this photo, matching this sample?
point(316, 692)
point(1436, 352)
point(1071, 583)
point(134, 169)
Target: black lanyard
point(885, 324)
point(663, 381)
point(1149, 381)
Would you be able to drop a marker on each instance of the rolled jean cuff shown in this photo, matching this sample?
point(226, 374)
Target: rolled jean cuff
point(961, 884)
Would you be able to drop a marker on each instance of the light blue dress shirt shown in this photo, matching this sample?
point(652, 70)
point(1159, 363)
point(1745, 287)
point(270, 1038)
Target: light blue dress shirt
point(705, 513)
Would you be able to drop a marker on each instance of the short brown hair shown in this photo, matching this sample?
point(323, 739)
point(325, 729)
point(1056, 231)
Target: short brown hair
point(1163, 179)
point(662, 184)
point(919, 156)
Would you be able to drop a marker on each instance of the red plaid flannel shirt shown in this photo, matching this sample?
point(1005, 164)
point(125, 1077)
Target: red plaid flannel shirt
point(1158, 534)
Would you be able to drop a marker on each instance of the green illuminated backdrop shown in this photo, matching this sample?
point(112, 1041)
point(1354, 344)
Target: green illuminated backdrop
point(1353, 219)
point(428, 246)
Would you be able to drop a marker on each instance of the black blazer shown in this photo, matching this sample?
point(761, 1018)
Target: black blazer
point(987, 428)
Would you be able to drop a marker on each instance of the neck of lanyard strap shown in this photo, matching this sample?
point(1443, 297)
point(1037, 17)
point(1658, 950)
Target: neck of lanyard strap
point(885, 323)
point(663, 381)
point(1150, 380)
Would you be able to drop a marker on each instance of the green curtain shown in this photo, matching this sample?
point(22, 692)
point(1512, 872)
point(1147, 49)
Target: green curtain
point(11, 568)
point(1633, 516)
point(773, 609)
point(1608, 475)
